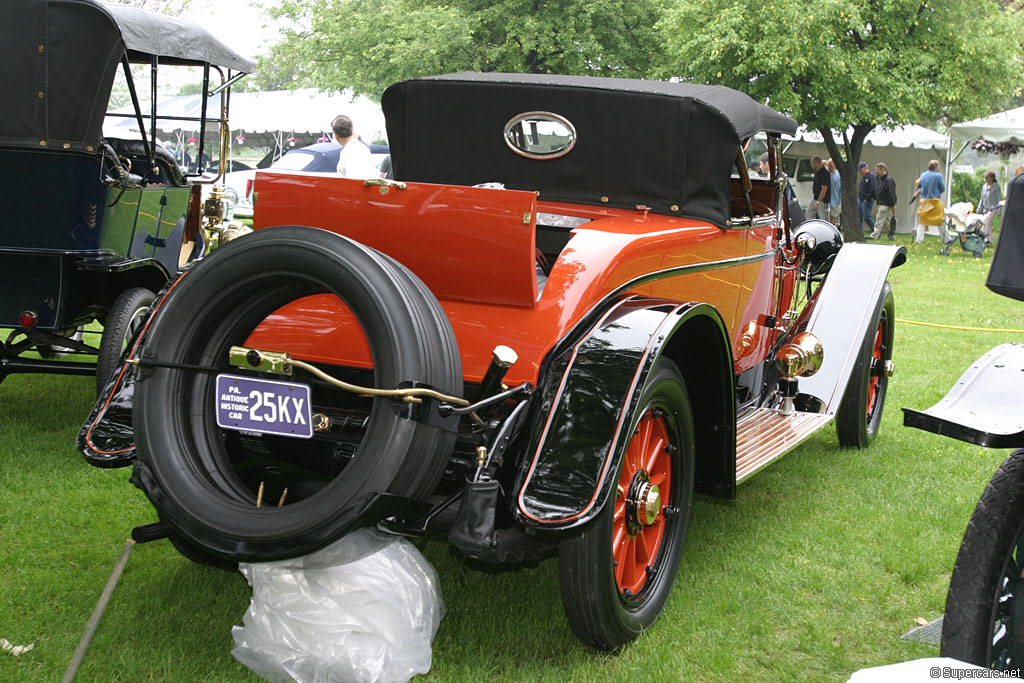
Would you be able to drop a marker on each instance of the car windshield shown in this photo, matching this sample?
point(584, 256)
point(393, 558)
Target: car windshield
point(295, 161)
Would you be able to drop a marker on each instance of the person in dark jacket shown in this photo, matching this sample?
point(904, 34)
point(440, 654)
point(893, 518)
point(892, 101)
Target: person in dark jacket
point(866, 196)
point(822, 189)
point(885, 195)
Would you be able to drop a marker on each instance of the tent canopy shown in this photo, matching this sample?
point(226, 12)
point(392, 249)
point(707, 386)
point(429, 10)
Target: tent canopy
point(903, 137)
point(1005, 126)
point(267, 118)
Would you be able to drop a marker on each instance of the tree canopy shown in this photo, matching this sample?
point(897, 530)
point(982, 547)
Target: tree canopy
point(367, 45)
point(833, 64)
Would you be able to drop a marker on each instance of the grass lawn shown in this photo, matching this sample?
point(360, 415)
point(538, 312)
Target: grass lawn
point(824, 559)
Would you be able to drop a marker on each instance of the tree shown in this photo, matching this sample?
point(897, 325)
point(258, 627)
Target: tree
point(174, 8)
point(367, 45)
point(833, 64)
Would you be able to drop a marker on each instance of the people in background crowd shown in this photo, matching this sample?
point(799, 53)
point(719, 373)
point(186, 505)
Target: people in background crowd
point(885, 196)
point(866, 197)
point(355, 160)
point(835, 191)
point(988, 204)
point(822, 188)
point(930, 210)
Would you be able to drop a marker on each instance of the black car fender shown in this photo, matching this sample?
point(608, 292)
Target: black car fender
point(839, 314)
point(588, 399)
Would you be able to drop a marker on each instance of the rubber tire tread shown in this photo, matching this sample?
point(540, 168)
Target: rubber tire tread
point(442, 355)
point(184, 478)
point(589, 592)
point(852, 426)
point(108, 360)
point(992, 533)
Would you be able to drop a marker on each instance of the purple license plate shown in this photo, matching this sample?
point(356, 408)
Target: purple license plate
point(263, 406)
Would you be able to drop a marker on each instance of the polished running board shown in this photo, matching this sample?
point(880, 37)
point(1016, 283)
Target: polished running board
point(764, 434)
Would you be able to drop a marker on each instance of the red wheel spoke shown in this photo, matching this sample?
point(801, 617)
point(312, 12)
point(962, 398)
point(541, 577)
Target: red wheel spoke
point(654, 450)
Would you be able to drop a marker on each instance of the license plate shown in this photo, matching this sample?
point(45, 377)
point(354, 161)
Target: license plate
point(264, 406)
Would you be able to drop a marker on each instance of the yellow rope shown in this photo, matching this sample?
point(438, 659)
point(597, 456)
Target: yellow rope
point(956, 327)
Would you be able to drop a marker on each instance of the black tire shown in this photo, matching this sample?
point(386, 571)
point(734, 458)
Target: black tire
point(185, 462)
point(124, 319)
point(194, 553)
point(984, 616)
point(860, 412)
point(601, 612)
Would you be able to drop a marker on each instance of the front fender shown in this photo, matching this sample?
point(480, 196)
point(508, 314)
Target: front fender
point(841, 311)
point(588, 404)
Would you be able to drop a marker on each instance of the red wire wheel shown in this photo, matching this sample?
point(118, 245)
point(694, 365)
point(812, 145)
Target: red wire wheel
point(860, 413)
point(639, 521)
point(618, 572)
point(877, 360)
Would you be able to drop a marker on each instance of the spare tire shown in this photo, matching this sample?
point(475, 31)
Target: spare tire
point(190, 468)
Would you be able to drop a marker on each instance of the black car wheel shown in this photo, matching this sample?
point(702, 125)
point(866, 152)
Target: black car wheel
point(125, 317)
point(256, 497)
point(860, 412)
point(618, 573)
point(984, 619)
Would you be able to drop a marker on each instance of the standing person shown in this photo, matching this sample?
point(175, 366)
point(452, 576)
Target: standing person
point(355, 160)
point(885, 195)
point(991, 195)
point(866, 196)
point(822, 187)
point(766, 169)
point(835, 191)
point(930, 210)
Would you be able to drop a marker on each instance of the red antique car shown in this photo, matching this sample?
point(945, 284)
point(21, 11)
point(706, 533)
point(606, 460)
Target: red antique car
point(573, 311)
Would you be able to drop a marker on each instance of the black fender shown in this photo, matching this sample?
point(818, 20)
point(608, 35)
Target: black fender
point(588, 400)
point(839, 314)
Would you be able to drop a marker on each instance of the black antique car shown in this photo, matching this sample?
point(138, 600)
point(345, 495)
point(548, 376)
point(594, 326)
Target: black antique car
point(91, 225)
point(535, 339)
point(984, 619)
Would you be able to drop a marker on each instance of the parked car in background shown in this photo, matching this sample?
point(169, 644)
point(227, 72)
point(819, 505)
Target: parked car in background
point(92, 225)
point(533, 341)
point(319, 158)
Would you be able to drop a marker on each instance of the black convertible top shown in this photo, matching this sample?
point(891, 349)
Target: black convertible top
point(59, 59)
point(668, 146)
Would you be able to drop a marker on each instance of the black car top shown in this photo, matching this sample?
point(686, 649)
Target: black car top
point(667, 146)
point(59, 60)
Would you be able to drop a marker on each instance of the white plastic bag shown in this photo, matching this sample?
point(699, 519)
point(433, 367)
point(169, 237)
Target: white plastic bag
point(364, 608)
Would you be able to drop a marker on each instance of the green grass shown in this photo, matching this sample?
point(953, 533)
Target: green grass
point(824, 559)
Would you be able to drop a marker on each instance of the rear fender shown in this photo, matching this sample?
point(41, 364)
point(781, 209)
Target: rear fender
point(588, 405)
point(839, 315)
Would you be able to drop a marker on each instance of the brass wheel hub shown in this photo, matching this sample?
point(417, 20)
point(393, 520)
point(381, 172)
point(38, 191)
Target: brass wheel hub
point(643, 504)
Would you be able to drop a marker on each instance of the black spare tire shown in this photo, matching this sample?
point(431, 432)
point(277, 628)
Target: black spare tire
point(192, 470)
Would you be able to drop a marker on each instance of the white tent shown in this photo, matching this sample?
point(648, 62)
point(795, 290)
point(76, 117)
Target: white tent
point(1006, 126)
point(263, 118)
point(905, 150)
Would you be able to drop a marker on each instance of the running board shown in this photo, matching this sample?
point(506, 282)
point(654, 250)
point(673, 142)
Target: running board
point(764, 434)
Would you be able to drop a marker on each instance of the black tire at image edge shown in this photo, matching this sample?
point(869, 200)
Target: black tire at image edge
point(982, 572)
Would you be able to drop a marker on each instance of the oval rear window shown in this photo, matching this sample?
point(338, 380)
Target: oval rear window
point(540, 135)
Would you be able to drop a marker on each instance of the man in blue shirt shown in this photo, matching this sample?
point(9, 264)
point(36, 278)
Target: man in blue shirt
point(930, 210)
point(866, 196)
point(835, 194)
